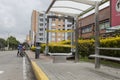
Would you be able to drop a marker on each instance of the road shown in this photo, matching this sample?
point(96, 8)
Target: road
point(13, 67)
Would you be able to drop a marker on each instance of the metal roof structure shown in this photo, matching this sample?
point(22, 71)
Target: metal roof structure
point(76, 9)
point(73, 7)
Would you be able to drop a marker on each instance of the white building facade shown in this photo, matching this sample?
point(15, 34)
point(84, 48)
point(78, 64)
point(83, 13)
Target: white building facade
point(39, 26)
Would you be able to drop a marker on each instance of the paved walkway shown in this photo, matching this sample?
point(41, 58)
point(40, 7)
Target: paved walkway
point(74, 71)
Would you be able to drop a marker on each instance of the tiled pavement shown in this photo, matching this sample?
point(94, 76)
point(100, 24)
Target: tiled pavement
point(74, 71)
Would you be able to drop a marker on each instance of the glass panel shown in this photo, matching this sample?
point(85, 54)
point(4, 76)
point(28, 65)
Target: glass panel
point(102, 26)
point(69, 7)
point(86, 29)
point(107, 24)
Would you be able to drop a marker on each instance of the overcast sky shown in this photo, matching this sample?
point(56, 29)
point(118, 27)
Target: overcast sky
point(15, 16)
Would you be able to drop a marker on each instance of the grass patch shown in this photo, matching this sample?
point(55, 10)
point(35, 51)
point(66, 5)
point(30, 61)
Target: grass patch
point(104, 62)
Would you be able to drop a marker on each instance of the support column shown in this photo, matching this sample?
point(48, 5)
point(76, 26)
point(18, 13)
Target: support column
point(97, 41)
point(72, 36)
point(47, 37)
point(76, 40)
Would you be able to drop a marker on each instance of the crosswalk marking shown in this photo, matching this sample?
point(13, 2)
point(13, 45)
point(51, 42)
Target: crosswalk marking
point(24, 69)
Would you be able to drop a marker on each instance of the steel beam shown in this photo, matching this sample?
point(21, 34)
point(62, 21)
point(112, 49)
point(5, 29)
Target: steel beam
point(50, 6)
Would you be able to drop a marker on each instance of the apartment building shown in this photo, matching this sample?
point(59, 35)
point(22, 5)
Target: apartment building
point(34, 24)
point(59, 24)
point(28, 38)
point(39, 25)
point(41, 28)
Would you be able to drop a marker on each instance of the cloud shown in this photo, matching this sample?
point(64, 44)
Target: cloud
point(15, 16)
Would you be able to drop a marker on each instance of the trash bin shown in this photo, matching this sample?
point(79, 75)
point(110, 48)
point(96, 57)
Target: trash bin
point(37, 52)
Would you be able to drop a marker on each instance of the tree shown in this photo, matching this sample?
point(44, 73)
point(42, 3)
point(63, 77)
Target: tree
point(26, 45)
point(12, 42)
point(2, 43)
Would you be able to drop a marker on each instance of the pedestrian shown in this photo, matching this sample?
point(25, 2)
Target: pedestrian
point(37, 52)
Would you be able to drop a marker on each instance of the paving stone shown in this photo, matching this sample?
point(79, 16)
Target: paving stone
point(75, 71)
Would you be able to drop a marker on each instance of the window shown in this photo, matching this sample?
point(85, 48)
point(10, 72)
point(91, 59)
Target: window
point(69, 25)
point(41, 29)
point(107, 24)
point(45, 24)
point(53, 39)
point(59, 39)
point(53, 34)
point(41, 15)
point(53, 24)
point(53, 19)
point(59, 34)
point(41, 19)
point(41, 24)
point(104, 24)
point(59, 25)
point(59, 19)
point(62, 34)
point(53, 28)
point(41, 34)
point(87, 29)
point(45, 19)
point(41, 39)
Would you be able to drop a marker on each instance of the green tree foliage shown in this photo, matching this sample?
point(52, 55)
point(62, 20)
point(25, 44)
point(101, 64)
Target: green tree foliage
point(2, 43)
point(26, 45)
point(13, 43)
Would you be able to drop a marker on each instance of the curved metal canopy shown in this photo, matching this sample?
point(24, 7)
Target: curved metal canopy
point(72, 7)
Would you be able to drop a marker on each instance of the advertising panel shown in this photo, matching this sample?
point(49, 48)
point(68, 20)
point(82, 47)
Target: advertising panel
point(115, 13)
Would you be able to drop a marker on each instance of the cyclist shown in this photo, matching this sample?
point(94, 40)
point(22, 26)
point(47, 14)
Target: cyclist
point(19, 49)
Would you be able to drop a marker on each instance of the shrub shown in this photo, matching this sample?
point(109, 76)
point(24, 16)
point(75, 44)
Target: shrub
point(33, 48)
point(87, 47)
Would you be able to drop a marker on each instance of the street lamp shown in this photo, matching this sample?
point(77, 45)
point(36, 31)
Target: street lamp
point(8, 42)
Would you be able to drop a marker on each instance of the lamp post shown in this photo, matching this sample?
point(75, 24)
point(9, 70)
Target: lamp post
point(8, 42)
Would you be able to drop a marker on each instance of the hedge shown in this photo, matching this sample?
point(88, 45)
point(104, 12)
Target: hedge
point(87, 47)
point(33, 48)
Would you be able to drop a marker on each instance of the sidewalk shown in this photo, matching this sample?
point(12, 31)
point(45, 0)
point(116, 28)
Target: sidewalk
point(73, 71)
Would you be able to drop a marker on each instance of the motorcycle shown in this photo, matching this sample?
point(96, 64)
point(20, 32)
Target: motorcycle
point(21, 52)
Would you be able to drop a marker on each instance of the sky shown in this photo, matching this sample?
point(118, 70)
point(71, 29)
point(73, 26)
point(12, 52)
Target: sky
point(15, 16)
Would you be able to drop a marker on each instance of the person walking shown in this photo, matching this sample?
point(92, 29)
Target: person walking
point(37, 52)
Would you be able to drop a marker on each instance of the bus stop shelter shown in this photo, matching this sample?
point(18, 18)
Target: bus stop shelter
point(76, 9)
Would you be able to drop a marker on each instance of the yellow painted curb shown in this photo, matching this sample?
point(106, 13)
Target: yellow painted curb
point(40, 75)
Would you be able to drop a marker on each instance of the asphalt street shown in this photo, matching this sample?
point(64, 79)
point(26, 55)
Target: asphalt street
point(13, 67)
